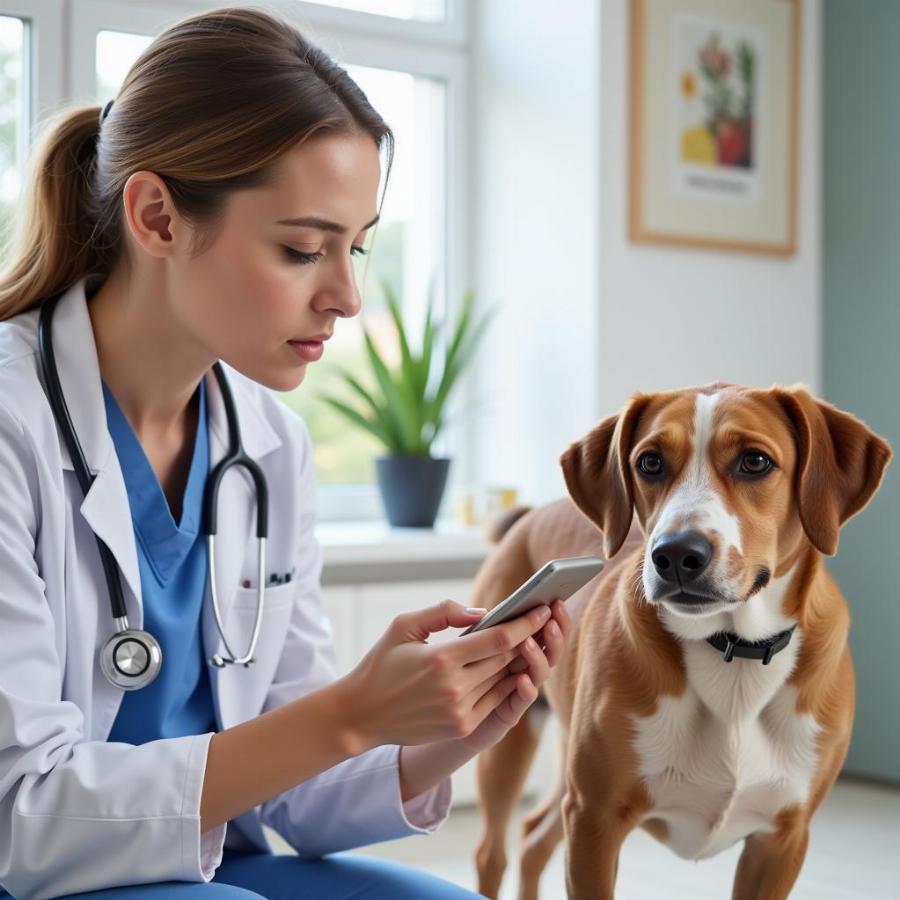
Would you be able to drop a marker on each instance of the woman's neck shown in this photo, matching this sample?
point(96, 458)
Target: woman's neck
point(146, 360)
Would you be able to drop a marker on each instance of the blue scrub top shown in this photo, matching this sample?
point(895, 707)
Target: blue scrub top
point(172, 558)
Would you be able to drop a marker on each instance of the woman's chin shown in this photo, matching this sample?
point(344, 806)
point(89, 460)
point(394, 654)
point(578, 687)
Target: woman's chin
point(277, 378)
point(287, 380)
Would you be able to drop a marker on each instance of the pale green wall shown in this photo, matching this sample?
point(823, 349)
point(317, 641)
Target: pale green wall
point(861, 334)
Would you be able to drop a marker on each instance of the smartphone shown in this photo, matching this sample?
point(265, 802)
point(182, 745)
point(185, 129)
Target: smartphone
point(557, 578)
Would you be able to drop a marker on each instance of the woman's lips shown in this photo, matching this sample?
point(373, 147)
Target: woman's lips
point(308, 350)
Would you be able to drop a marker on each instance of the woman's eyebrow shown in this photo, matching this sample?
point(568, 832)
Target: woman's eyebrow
point(323, 224)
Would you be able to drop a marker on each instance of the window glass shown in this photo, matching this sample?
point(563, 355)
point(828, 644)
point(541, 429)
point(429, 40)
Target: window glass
point(425, 10)
point(13, 119)
point(116, 53)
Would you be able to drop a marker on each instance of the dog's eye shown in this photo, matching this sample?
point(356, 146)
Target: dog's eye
point(755, 463)
point(650, 463)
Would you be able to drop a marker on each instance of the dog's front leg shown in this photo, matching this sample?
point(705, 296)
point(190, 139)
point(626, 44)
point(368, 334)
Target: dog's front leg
point(770, 864)
point(593, 840)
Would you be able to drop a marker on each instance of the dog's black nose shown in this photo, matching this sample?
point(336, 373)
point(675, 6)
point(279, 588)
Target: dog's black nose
point(680, 557)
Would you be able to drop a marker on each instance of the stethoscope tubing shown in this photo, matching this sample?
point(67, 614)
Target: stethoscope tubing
point(132, 658)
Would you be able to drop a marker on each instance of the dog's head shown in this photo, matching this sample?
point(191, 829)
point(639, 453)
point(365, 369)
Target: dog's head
point(727, 483)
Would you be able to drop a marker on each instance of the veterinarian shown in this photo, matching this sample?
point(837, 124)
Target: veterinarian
point(167, 669)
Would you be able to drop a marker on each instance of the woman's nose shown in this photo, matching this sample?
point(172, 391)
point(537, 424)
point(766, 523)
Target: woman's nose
point(341, 294)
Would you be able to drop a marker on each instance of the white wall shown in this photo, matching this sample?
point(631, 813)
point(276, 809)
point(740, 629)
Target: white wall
point(590, 317)
point(672, 317)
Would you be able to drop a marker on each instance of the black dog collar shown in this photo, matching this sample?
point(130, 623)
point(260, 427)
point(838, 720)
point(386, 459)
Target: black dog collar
point(731, 645)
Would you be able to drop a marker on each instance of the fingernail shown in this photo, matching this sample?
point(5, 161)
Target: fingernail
point(553, 628)
point(545, 611)
point(530, 644)
point(476, 610)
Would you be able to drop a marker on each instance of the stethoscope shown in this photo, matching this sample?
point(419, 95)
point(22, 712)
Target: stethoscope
point(132, 658)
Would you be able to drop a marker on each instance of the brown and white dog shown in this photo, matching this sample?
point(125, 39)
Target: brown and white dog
point(672, 718)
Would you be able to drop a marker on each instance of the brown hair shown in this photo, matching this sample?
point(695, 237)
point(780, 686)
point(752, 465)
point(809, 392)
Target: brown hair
point(209, 106)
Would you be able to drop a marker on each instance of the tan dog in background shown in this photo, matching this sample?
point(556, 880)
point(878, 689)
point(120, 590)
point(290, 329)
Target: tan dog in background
point(672, 719)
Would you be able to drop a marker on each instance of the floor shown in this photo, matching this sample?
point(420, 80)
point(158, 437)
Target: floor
point(854, 854)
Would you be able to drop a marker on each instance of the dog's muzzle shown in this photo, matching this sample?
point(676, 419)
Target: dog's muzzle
point(681, 557)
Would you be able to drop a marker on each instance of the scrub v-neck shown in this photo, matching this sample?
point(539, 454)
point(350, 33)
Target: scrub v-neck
point(172, 559)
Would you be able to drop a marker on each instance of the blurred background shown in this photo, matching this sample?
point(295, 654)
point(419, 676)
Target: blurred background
point(653, 194)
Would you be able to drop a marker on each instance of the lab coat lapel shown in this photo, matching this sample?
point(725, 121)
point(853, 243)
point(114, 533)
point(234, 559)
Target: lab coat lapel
point(105, 506)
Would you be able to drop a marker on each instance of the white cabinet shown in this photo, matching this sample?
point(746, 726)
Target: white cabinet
point(361, 613)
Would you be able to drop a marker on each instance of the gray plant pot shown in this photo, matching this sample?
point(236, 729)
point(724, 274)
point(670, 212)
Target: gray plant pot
point(411, 488)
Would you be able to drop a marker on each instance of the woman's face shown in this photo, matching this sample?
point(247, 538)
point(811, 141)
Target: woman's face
point(264, 282)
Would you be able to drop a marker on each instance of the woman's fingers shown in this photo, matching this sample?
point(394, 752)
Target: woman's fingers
point(537, 671)
point(538, 663)
point(551, 638)
point(509, 698)
point(531, 660)
point(477, 673)
point(502, 638)
point(561, 617)
point(553, 641)
point(520, 658)
point(487, 685)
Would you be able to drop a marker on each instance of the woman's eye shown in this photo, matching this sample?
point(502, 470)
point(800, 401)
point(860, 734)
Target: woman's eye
point(650, 463)
point(301, 257)
point(755, 463)
point(305, 258)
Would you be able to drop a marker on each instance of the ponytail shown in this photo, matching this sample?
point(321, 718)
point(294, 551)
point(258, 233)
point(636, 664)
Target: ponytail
point(52, 244)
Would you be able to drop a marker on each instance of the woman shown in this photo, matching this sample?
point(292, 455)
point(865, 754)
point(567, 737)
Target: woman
point(159, 226)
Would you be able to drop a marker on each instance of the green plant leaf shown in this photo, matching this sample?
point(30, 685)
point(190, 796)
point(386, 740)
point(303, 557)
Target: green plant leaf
point(373, 427)
point(397, 402)
point(447, 376)
point(407, 417)
point(379, 411)
point(461, 351)
point(410, 382)
point(428, 341)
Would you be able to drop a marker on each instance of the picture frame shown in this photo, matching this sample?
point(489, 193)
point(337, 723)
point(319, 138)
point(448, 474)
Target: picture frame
point(713, 130)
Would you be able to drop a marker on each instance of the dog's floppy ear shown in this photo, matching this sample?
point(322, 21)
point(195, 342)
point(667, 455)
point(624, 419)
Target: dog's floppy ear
point(597, 473)
point(840, 464)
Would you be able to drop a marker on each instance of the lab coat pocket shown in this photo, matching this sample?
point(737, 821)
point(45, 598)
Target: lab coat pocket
point(246, 687)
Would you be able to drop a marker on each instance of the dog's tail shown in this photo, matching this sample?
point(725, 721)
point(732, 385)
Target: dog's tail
point(503, 521)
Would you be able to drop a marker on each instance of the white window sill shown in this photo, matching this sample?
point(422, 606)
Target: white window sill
point(358, 543)
point(375, 553)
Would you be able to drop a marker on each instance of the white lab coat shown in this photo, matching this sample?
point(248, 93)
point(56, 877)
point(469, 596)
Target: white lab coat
point(78, 813)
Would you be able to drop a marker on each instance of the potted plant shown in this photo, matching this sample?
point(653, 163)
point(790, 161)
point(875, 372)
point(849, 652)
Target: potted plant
point(405, 410)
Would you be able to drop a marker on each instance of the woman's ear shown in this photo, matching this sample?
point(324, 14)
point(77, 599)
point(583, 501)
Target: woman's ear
point(840, 464)
point(598, 475)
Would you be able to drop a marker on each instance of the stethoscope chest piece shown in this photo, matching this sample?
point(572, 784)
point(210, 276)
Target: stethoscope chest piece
point(131, 659)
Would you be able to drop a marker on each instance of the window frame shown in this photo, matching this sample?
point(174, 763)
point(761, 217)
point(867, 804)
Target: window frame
point(62, 71)
point(43, 68)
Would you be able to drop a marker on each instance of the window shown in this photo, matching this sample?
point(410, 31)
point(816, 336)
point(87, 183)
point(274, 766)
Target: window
point(116, 52)
point(427, 10)
point(13, 116)
point(407, 256)
point(409, 56)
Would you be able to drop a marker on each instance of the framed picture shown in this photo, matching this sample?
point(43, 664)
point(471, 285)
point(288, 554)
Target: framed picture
point(714, 110)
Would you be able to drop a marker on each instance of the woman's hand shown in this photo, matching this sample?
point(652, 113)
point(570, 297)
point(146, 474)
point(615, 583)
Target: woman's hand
point(406, 691)
point(538, 655)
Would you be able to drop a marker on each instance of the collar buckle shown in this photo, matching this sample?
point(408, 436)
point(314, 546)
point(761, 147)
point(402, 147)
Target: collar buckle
point(730, 645)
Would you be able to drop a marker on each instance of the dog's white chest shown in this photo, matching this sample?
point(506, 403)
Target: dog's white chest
point(721, 760)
